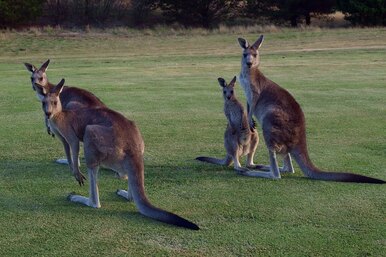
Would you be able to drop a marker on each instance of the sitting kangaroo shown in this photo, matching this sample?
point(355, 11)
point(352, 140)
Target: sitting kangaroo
point(282, 121)
point(71, 97)
point(239, 139)
point(111, 140)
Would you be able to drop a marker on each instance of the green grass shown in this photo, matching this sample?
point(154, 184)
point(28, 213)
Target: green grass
point(168, 85)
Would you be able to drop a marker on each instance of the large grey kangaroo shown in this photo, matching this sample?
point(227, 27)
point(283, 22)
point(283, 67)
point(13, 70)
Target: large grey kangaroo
point(282, 121)
point(71, 98)
point(239, 139)
point(111, 140)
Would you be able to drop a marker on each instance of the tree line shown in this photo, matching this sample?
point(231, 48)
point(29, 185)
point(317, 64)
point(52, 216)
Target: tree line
point(188, 13)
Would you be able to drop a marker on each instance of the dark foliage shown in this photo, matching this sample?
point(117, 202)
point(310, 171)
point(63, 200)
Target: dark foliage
point(18, 12)
point(292, 11)
point(189, 13)
point(364, 12)
point(201, 13)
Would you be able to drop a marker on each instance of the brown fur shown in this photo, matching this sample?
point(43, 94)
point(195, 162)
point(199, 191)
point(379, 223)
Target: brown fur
point(110, 140)
point(239, 139)
point(282, 121)
point(71, 97)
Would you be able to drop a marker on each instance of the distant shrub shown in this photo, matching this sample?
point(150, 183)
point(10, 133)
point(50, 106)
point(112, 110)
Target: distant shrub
point(18, 12)
point(364, 12)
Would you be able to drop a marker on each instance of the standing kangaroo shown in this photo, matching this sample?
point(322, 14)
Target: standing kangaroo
point(282, 121)
point(111, 140)
point(239, 139)
point(71, 97)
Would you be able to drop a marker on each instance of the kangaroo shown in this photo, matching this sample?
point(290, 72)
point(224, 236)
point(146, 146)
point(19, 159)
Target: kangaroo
point(282, 121)
point(239, 139)
point(71, 97)
point(111, 140)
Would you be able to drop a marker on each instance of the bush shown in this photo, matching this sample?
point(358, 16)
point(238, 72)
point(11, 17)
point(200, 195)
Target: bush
point(19, 12)
point(364, 12)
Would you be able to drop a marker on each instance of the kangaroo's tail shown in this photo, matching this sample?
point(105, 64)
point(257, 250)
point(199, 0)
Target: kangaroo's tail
point(136, 186)
point(309, 169)
point(226, 161)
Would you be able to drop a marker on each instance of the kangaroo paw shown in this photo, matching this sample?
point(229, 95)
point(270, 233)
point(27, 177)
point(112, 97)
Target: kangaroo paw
point(80, 178)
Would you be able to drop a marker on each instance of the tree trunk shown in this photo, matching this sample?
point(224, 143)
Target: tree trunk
point(294, 21)
point(308, 19)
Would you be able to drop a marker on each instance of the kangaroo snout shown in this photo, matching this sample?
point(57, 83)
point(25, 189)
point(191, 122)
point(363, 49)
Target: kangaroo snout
point(48, 114)
point(249, 64)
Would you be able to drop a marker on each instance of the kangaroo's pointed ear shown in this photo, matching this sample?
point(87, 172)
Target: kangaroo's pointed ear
point(30, 67)
point(243, 43)
point(45, 65)
point(222, 82)
point(59, 87)
point(233, 81)
point(258, 42)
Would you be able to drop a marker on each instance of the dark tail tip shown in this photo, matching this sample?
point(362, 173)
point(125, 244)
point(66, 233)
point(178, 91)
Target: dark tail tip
point(356, 178)
point(181, 222)
point(365, 179)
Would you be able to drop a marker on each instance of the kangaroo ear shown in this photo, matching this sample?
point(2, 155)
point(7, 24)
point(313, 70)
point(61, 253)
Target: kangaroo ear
point(232, 83)
point(258, 43)
point(30, 67)
point(45, 65)
point(222, 82)
point(243, 43)
point(59, 87)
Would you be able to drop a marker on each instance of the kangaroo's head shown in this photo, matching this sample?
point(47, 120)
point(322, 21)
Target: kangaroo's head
point(228, 89)
point(251, 56)
point(38, 76)
point(51, 102)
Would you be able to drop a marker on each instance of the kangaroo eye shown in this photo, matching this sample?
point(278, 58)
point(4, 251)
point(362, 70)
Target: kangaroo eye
point(32, 79)
point(254, 55)
point(55, 103)
point(231, 91)
point(245, 55)
point(40, 79)
point(225, 92)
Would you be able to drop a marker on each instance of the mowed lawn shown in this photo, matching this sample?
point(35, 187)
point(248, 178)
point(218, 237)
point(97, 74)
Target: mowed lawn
point(167, 83)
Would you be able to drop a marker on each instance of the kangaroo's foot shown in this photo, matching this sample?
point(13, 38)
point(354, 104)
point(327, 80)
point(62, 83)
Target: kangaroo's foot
point(258, 167)
point(125, 194)
point(286, 170)
point(259, 174)
point(287, 164)
point(72, 197)
point(63, 161)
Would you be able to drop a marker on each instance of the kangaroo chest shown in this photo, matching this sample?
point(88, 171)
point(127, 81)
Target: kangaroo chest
point(245, 83)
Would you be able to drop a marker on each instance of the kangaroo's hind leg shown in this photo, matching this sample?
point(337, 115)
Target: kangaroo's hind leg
point(93, 199)
point(96, 144)
point(251, 152)
point(274, 172)
point(125, 194)
point(287, 164)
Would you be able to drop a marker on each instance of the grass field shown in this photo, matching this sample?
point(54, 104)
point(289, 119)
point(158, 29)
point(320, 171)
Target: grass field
point(167, 83)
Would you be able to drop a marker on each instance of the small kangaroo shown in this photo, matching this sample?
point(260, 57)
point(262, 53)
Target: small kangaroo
point(111, 140)
point(282, 121)
point(239, 139)
point(71, 97)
